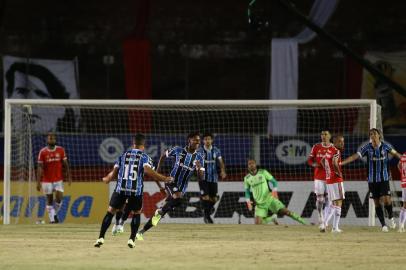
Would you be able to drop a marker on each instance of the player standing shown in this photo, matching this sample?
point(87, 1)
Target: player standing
point(377, 153)
point(213, 162)
point(320, 189)
point(334, 180)
point(402, 169)
point(53, 168)
point(129, 171)
point(187, 161)
point(257, 183)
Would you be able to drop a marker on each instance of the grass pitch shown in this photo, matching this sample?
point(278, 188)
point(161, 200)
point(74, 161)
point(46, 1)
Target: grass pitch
point(190, 246)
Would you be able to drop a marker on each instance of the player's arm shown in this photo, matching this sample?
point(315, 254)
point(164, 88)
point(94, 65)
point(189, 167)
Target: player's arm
point(157, 176)
point(311, 160)
point(200, 170)
point(67, 171)
point(158, 169)
point(247, 195)
point(40, 172)
point(223, 173)
point(271, 180)
point(336, 165)
point(351, 158)
point(113, 174)
point(395, 153)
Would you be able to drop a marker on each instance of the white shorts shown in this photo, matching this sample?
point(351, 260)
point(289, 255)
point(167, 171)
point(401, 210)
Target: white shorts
point(49, 188)
point(335, 191)
point(403, 194)
point(320, 187)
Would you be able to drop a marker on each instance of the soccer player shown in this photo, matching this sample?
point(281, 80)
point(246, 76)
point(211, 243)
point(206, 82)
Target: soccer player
point(213, 162)
point(256, 181)
point(334, 180)
point(187, 161)
point(402, 169)
point(377, 152)
point(53, 168)
point(129, 171)
point(320, 189)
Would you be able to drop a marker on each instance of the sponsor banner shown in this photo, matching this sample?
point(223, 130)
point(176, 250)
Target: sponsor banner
point(82, 203)
point(298, 196)
point(280, 152)
point(27, 78)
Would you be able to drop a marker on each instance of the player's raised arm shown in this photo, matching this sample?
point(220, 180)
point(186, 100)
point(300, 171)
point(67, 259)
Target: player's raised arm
point(158, 169)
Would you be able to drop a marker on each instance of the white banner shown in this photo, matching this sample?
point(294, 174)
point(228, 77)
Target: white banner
point(26, 78)
point(298, 196)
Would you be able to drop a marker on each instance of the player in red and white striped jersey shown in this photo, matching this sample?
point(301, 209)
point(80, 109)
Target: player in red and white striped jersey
point(53, 167)
point(317, 153)
point(334, 180)
point(402, 169)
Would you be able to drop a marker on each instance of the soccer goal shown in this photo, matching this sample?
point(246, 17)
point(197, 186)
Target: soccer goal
point(278, 134)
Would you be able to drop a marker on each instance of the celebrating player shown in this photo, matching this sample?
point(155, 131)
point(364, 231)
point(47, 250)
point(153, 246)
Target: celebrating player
point(213, 162)
point(187, 161)
point(129, 171)
point(256, 181)
point(334, 180)
point(402, 169)
point(320, 189)
point(377, 152)
point(53, 168)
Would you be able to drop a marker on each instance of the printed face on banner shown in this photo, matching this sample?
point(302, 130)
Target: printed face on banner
point(41, 79)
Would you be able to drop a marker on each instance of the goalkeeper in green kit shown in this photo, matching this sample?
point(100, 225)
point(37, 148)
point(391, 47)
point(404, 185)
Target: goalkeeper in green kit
point(256, 181)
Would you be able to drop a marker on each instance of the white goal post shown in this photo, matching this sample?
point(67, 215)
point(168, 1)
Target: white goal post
point(215, 108)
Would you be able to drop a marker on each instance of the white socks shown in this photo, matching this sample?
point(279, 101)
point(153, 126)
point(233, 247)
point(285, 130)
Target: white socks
point(51, 213)
point(402, 217)
point(337, 216)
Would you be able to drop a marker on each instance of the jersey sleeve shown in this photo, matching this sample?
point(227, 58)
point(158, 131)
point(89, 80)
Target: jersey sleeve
point(63, 154)
point(218, 154)
point(388, 147)
point(172, 152)
point(147, 162)
point(41, 157)
point(269, 177)
point(246, 185)
point(118, 162)
point(363, 150)
point(200, 158)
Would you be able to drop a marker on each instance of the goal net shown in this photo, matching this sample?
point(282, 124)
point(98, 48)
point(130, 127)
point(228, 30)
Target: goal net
point(278, 134)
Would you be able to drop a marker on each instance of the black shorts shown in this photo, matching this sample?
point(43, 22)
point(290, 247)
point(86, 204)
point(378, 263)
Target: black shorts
point(208, 188)
point(379, 189)
point(134, 203)
point(171, 189)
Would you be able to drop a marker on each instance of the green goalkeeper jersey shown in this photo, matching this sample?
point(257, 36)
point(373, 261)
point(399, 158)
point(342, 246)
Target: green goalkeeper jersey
point(258, 184)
